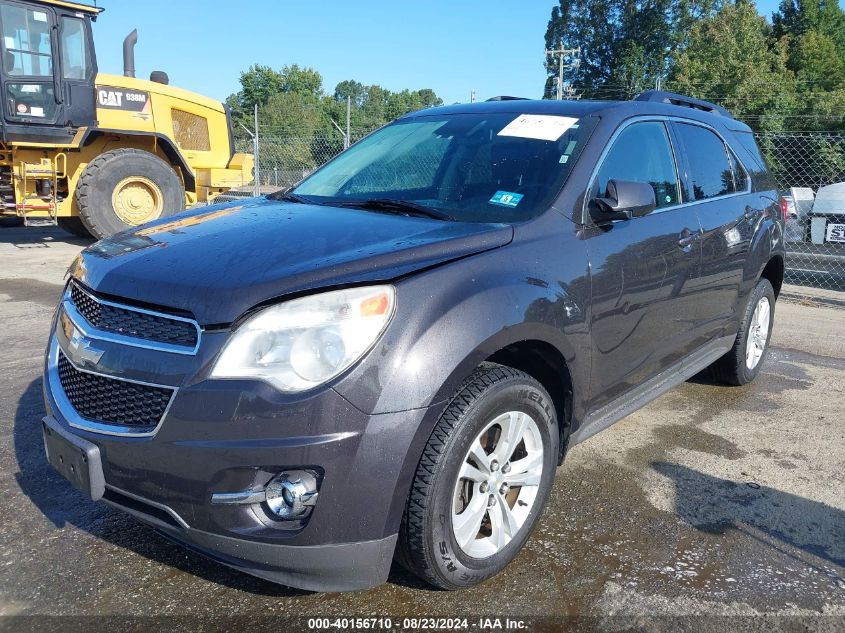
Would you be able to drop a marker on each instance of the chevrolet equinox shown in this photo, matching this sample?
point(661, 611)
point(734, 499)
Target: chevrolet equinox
point(392, 358)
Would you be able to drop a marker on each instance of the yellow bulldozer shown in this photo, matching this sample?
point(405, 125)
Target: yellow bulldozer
point(97, 153)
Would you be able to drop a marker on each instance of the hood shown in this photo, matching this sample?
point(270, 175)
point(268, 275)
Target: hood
point(218, 262)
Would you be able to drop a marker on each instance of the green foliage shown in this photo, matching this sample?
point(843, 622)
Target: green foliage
point(797, 17)
point(789, 75)
point(730, 57)
point(257, 84)
point(297, 119)
point(626, 44)
point(292, 102)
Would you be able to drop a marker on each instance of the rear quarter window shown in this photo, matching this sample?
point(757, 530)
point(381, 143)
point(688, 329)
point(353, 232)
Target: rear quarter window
point(752, 158)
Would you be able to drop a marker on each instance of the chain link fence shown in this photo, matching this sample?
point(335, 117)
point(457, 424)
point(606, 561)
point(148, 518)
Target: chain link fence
point(285, 160)
point(809, 169)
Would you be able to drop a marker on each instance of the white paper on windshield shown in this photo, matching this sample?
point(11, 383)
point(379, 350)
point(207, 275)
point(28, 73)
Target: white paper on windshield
point(544, 127)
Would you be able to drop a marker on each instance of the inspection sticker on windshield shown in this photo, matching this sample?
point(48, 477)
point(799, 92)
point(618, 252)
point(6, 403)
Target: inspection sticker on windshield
point(506, 199)
point(544, 127)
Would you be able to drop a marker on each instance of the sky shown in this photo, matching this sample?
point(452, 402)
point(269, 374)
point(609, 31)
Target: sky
point(494, 47)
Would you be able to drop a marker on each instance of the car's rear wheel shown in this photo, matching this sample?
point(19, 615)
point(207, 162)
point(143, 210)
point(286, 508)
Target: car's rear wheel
point(483, 480)
point(742, 364)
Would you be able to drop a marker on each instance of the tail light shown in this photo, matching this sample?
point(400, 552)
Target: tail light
point(784, 208)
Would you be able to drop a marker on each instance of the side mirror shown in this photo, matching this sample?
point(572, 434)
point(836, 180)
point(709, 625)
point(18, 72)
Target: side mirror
point(626, 199)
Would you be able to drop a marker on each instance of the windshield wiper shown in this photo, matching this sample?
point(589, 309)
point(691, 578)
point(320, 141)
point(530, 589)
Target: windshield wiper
point(401, 207)
point(289, 197)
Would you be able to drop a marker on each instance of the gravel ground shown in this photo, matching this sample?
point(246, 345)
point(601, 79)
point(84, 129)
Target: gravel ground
point(711, 500)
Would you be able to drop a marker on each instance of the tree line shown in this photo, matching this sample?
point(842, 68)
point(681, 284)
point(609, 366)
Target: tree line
point(784, 75)
point(293, 103)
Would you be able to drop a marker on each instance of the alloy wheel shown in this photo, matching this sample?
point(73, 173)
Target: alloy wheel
point(758, 333)
point(497, 484)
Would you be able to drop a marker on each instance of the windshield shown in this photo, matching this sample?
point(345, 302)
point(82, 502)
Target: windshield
point(499, 167)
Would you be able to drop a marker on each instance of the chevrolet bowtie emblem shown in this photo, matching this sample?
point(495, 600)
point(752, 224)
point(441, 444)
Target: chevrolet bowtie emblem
point(81, 351)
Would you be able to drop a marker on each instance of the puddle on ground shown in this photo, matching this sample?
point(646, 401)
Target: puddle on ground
point(31, 290)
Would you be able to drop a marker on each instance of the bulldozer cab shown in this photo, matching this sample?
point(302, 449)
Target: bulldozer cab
point(48, 70)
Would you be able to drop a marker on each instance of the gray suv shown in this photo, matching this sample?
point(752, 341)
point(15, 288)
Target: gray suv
point(391, 359)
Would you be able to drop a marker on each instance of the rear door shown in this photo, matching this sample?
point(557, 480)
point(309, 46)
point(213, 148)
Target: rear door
point(719, 189)
point(642, 268)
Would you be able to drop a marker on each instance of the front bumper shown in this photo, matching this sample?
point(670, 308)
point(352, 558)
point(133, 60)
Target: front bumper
point(232, 436)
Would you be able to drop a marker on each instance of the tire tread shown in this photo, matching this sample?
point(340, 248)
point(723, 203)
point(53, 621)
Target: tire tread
point(412, 551)
point(88, 212)
point(729, 369)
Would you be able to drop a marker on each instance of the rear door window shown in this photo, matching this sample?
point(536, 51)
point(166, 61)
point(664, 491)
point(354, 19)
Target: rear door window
point(642, 153)
point(711, 173)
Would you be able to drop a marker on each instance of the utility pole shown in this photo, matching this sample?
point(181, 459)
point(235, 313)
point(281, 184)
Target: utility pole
point(657, 82)
point(562, 53)
point(348, 140)
point(256, 148)
point(472, 96)
point(256, 185)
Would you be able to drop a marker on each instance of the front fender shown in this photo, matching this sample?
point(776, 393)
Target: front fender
point(451, 318)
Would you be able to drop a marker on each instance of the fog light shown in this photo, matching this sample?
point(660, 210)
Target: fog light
point(292, 494)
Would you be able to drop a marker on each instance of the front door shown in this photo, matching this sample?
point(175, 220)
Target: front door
point(48, 73)
point(641, 268)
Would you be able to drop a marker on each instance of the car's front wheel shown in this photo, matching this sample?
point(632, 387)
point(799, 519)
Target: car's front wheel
point(483, 479)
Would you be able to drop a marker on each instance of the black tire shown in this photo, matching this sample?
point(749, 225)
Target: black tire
point(732, 368)
point(104, 173)
point(74, 226)
point(427, 544)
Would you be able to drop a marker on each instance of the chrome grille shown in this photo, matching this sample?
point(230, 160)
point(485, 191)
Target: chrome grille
point(134, 323)
point(111, 401)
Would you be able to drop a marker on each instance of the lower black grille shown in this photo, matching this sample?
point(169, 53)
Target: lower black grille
point(127, 322)
point(111, 401)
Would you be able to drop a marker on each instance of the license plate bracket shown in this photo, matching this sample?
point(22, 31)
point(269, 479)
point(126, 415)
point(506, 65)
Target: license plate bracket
point(76, 459)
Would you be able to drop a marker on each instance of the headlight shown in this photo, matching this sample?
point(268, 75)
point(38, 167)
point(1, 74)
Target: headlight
point(303, 343)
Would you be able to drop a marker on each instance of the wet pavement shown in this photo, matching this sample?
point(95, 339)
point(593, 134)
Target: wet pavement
point(711, 500)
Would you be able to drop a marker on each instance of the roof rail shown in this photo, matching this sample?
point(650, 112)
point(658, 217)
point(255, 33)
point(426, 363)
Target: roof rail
point(507, 98)
point(660, 96)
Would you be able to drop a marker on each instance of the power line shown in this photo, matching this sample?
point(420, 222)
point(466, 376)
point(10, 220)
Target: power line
point(574, 55)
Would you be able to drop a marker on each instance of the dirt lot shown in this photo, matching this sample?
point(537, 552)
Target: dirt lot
point(711, 500)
